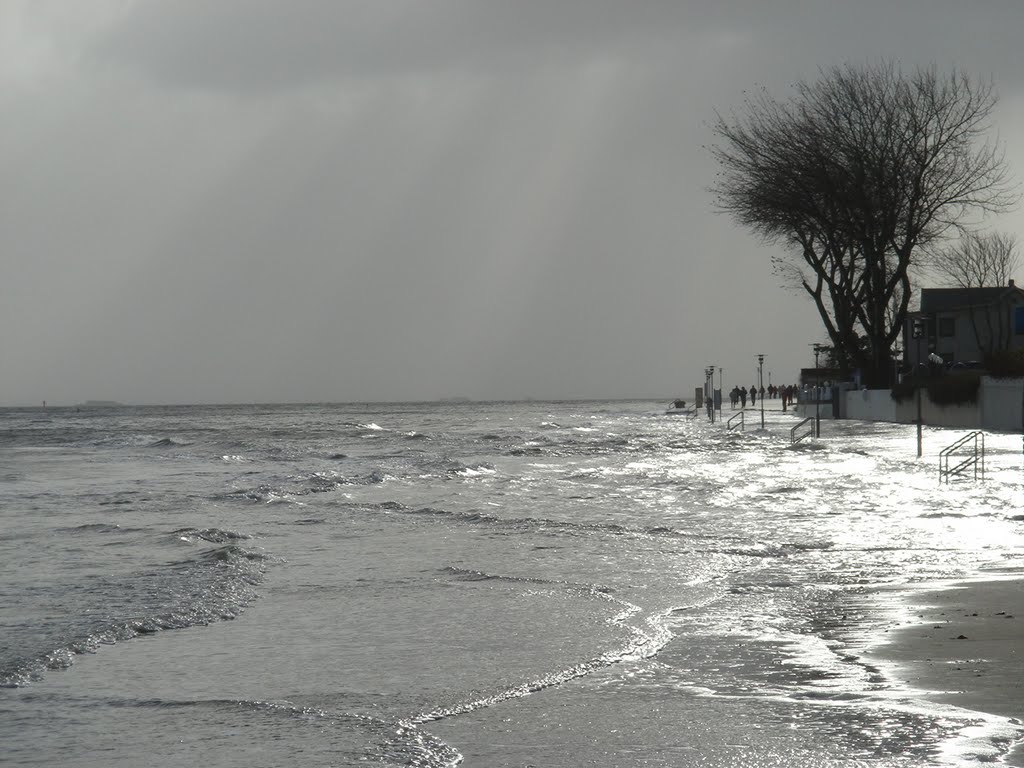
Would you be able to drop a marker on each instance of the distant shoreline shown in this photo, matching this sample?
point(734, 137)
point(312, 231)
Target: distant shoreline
point(287, 403)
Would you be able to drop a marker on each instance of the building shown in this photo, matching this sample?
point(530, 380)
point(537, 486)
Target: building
point(964, 325)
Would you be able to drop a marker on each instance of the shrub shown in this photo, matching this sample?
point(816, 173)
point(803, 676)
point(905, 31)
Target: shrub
point(951, 388)
point(955, 388)
point(1008, 364)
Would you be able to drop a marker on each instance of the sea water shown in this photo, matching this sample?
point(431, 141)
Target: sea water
point(484, 584)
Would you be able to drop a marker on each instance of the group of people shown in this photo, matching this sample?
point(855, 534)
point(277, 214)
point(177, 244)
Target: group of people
point(739, 395)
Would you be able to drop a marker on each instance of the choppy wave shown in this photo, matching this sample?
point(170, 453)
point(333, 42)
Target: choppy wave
point(546, 526)
point(97, 528)
point(778, 549)
point(212, 535)
point(469, 574)
point(169, 442)
point(477, 470)
point(124, 441)
point(577, 443)
point(212, 585)
point(304, 485)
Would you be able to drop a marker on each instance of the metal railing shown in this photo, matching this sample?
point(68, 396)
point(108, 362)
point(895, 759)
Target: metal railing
point(733, 418)
point(975, 444)
point(794, 437)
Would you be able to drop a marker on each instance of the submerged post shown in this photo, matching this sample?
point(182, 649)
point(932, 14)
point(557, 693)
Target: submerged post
point(760, 385)
point(919, 420)
point(917, 331)
point(817, 392)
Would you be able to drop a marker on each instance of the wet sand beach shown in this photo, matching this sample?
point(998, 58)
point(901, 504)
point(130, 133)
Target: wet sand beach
point(964, 646)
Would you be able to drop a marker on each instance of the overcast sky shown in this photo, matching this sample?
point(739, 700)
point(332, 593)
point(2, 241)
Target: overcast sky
point(334, 200)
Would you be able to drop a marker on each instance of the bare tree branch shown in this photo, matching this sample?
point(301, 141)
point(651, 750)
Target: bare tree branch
point(977, 260)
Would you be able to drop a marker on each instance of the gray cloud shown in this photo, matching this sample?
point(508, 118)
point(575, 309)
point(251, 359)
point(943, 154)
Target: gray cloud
point(260, 44)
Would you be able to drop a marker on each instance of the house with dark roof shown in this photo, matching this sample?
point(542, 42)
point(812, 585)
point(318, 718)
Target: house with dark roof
point(964, 325)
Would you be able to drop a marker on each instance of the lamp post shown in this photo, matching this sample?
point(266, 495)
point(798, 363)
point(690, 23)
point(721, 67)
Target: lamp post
point(709, 372)
point(760, 385)
point(721, 392)
point(711, 392)
point(817, 391)
point(917, 332)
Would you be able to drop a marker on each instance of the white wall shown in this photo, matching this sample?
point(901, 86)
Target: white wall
point(962, 416)
point(1001, 404)
point(875, 405)
point(998, 407)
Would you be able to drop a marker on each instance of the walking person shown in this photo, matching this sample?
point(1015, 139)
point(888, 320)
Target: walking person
point(753, 395)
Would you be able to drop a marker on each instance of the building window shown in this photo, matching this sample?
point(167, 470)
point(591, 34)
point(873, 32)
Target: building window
point(947, 326)
point(1018, 320)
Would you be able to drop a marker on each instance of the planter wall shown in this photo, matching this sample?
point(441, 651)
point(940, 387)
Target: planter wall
point(998, 408)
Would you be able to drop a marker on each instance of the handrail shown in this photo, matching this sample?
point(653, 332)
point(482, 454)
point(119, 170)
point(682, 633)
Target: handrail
point(733, 418)
point(972, 436)
point(975, 460)
point(792, 433)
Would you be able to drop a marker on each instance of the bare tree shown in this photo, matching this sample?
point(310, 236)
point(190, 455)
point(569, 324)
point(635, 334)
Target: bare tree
point(975, 261)
point(854, 175)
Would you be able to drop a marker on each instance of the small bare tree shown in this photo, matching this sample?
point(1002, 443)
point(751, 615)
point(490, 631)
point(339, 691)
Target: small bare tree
point(981, 260)
point(977, 260)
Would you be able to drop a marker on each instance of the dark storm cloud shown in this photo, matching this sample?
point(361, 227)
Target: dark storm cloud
point(312, 200)
point(259, 44)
